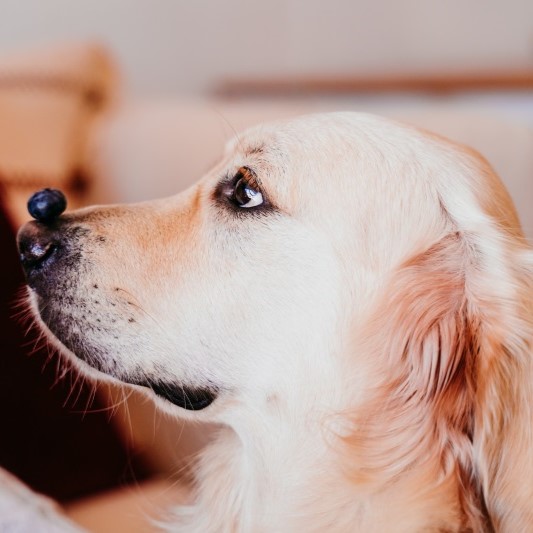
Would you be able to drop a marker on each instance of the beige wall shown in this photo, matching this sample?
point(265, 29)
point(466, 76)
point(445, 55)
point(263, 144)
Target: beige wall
point(171, 46)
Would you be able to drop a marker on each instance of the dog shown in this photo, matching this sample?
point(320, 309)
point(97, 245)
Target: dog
point(348, 297)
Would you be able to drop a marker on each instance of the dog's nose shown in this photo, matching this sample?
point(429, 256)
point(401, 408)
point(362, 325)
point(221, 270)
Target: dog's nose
point(37, 243)
point(40, 241)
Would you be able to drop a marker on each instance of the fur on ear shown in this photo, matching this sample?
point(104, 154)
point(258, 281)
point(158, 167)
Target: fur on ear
point(503, 424)
point(454, 405)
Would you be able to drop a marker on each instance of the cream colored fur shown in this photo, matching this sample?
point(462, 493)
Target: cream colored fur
point(370, 334)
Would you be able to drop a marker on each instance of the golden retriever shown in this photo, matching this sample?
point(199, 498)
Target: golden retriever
point(350, 298)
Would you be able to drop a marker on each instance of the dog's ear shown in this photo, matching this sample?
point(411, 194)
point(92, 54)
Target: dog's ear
point(429, 333)
point(456, 326)
point(475, 350)
point(502, 294)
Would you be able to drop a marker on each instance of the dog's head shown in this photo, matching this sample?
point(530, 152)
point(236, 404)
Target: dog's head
point(330, 264)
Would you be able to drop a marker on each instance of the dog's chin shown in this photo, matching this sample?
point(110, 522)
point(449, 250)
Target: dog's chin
point(191, 398)
point(183, 396)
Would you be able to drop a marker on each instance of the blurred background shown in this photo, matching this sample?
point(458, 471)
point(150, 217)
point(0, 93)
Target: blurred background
point(127, 100)
point(180, 47)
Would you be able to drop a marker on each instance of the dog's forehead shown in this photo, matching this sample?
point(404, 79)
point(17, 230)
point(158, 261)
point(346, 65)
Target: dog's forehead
point(292, 133)
point(325, 139)
point(322, 147)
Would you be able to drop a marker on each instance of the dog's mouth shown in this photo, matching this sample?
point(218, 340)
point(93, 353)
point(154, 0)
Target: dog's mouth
point(190, 398)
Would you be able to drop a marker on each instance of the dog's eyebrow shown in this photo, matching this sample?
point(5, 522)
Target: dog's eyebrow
point(255, 150)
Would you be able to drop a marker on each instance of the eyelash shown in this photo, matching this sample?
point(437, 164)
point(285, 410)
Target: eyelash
point(249, 175)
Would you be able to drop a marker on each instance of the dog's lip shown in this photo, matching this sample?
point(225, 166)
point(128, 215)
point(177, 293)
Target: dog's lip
point(186, 397)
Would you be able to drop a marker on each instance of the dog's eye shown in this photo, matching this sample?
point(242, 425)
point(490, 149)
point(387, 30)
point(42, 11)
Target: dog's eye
point(246, 192)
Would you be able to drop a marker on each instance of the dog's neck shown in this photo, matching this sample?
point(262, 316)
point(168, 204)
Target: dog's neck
point(262, 483)
point(292, 476)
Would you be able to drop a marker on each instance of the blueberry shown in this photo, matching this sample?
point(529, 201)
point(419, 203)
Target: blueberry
point(47, 204)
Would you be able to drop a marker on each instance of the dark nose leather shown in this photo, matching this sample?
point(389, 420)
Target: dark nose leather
point(39, 245)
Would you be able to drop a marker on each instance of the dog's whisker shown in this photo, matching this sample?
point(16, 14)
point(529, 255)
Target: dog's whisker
point(230, 125)
point(126, 406)
point(91, 397)
point(110, 407)
point(77, 384)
